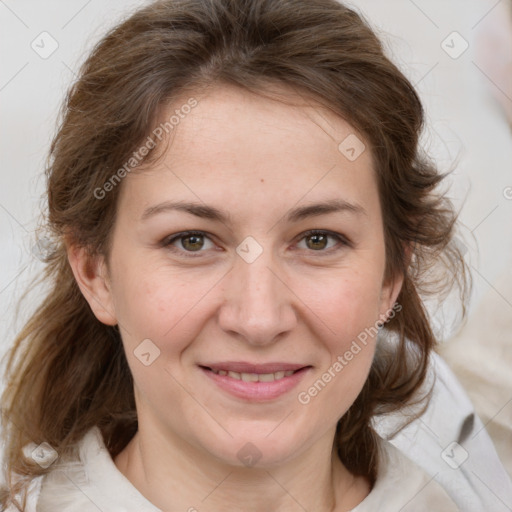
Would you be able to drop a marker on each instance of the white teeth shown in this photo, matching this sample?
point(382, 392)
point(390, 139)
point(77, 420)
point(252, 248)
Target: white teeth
point(255, 377)
point(249, 377)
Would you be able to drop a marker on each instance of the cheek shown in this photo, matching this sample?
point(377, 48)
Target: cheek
point(349, 309)
point(151, 302)
point(163, 309)
point(170, 309)
point(347, 305)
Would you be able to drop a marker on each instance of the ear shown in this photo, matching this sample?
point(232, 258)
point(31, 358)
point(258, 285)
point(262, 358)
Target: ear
point(391, 288)
point(92, 277)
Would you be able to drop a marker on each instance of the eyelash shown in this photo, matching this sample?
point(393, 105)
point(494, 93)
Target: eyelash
point(343, 241)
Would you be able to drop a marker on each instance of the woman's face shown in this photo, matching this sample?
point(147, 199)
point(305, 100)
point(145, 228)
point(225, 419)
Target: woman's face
point(250, 330)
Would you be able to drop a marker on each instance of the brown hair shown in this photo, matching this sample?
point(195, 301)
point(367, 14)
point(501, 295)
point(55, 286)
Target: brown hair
point(67, 372)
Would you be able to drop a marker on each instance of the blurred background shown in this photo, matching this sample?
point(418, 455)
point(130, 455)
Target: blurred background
point(458, 54)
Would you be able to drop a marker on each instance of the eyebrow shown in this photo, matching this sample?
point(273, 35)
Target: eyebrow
point(210, 212)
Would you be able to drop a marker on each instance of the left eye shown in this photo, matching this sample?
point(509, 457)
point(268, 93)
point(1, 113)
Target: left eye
point(195, 241)
point(319, 240)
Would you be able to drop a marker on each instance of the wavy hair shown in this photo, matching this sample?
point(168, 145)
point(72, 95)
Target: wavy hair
point(66, 371)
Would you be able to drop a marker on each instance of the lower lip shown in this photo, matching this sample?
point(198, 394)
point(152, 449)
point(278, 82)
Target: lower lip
point(256, 391)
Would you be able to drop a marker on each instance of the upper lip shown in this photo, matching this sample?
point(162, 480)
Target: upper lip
point(244, 367)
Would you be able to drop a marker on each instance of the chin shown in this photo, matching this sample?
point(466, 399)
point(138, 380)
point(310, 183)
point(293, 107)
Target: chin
point(258, 449)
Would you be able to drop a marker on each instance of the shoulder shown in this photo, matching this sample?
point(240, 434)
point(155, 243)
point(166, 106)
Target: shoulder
point(64, 487)
point(32, 494)
point(475, 479)
point(90, 483)
point(403, 486)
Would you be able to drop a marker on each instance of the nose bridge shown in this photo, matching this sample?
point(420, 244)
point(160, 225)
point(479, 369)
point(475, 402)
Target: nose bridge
point(258, 305)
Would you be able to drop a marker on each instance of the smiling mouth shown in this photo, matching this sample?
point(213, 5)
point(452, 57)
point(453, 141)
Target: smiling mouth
point(255, 382)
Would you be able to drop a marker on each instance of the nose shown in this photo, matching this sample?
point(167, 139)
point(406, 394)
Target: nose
point(258, 305)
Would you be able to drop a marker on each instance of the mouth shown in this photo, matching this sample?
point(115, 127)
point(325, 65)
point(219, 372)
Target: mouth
point(255, 382)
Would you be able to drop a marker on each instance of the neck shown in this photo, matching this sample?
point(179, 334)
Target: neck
point(174, 475)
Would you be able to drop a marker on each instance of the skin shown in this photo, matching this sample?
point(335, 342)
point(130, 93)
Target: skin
point(301, 301)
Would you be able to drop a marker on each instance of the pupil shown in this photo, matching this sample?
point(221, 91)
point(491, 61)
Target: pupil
point(322, 239)
point(188, 245)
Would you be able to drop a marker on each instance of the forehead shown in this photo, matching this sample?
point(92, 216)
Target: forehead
point(233, 124)
point(235, 146)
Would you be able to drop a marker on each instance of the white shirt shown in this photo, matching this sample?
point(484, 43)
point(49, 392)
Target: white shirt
point(94, 483)
point(452, 445)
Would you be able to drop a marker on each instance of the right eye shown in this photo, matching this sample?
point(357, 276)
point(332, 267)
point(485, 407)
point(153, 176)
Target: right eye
point(190, 242)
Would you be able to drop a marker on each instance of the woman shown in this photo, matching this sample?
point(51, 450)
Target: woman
point(243, 224)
